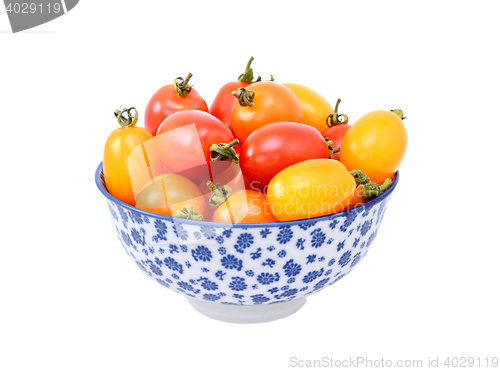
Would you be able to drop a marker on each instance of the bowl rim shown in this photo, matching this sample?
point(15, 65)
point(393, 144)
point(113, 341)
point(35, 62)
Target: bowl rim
point(242, 225)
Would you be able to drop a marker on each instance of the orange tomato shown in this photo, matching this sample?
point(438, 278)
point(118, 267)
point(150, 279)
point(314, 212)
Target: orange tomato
point(168, 193)
point(375, 144)
point(116, 152)
point(310, 189)
point(222, 105)
point(244, 206)
point(316, 108)
point(268, 102)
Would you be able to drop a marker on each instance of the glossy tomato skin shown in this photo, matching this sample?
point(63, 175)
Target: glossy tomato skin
point(272, 148)
point(115, 161)
point(244, 206)
point(309, 189)
point(375, 144)
point(182, 148)
point(166, 101)
point(336, 135)
point(222, 106)
point(273, 102)
point(170, 192)
point(315, 107)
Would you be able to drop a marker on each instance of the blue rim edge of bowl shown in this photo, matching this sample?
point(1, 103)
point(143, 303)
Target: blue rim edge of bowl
point(241, 225)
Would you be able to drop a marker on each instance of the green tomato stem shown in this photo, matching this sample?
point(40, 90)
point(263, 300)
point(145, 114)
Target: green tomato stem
point(128, 121)
point(245, 97)
point(331, 150)
point(224, 152)
point(399, 113)
point(360, 177)
point(370, 190)
point(336, 119)
point(220, 194)
point(181, 85)
point(188, 212)
point(247, 76)
point(386, 184)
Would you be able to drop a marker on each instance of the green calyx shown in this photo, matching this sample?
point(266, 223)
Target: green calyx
point(128, 121)
point(220, 194)
point(385, 185)
point(245, 97)
point(188, 212)
point(336, 119)
point(360, 177)
point(399, 113)
point(224, 152)
point(181, 85)
point(247, 76)
point(370, 190)
point(331, 150)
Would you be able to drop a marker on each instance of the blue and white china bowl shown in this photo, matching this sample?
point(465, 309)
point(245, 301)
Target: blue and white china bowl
point(246, 272)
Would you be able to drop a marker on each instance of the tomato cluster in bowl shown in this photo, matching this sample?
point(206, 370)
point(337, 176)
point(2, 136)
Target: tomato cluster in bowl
point(262, 152)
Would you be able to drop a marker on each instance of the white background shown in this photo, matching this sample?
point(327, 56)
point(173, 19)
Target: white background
point(70, 298)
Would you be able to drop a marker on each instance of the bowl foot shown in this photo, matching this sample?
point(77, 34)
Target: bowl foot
point(247, 313)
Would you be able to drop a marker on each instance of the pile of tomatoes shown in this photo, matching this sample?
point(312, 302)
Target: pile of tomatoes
point(262, 152)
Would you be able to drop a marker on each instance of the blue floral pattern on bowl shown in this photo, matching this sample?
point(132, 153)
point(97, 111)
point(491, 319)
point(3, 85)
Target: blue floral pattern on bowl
point(246, 264)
